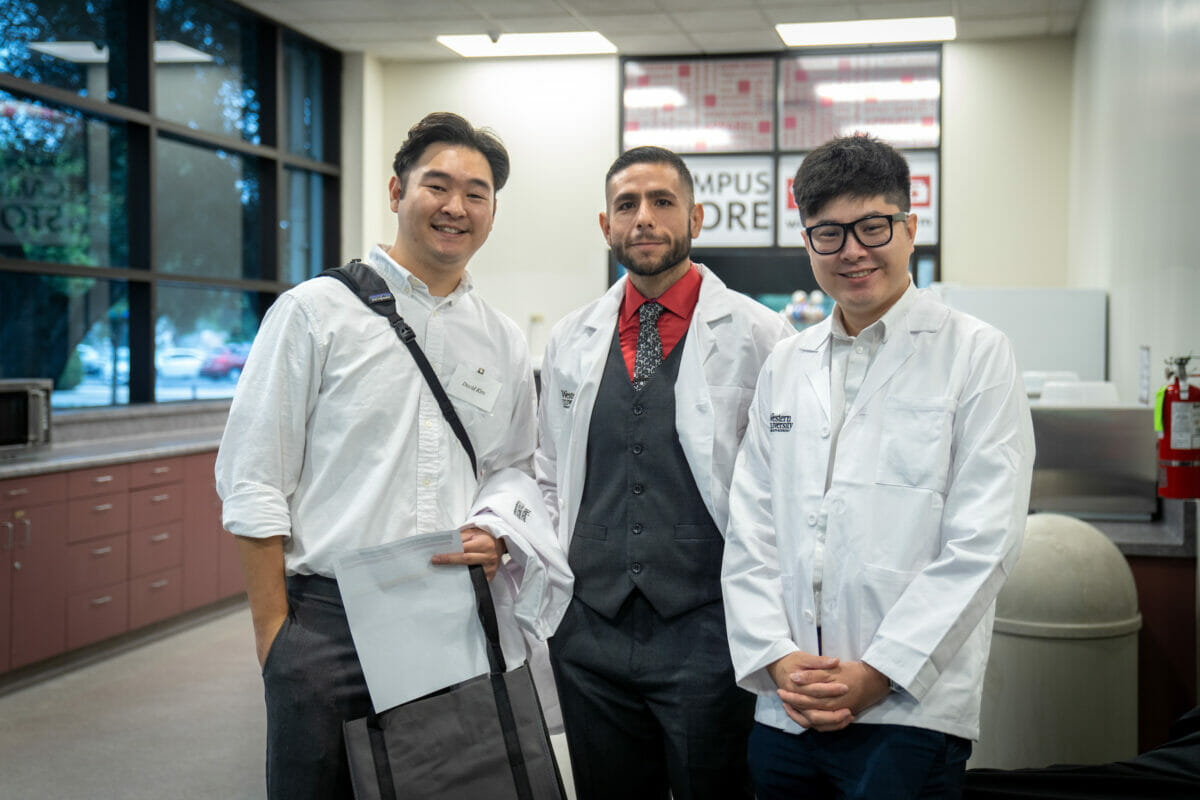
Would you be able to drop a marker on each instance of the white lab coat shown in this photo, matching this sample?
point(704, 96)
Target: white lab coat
point(729, 337)
point(921, 524)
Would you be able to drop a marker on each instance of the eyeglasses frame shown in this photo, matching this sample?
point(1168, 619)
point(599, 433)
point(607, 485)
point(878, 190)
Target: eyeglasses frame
point(848, 228)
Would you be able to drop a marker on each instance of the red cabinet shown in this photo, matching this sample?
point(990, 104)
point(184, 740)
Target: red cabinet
point(33, 517)
point(202, 533)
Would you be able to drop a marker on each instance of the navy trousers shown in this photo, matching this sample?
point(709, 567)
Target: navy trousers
point(650, 706)
point(313, 682)
point(859, 762)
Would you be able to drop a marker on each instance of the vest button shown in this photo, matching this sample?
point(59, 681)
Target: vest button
point(638, 449)
point(636, 568)
point(639, 409)
point(636, 528)
point(638, 488)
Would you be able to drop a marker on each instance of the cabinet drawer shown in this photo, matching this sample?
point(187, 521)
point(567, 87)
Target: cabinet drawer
point(101, 480)
point(98, 614)
point(152, 473)
point(155, 505)
point(33, 491)
point(101, 515)
point(98, 563)
point(155, 549)
point(154, 597)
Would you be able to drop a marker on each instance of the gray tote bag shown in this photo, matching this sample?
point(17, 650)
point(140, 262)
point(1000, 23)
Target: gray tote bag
point(483, 738)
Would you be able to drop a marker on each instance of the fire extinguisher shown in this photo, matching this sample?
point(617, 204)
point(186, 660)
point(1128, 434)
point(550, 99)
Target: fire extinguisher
point(1177, 420)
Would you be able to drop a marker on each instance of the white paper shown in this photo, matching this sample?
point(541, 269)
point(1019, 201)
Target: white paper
point(414, 624)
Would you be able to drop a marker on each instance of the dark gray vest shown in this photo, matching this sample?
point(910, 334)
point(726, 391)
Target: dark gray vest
point(642, 523)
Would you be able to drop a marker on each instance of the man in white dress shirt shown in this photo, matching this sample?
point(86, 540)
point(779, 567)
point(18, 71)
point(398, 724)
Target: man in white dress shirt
point(878, 503)
point(335, 442)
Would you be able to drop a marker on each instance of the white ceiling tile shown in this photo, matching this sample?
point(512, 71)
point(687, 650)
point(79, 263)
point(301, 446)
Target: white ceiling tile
point(739, 42)
point(609, 7)
point(682, 6)
point(1002, 8)
point(636, 44)
point(716, 21)
point(1003, 28)
point(818, 13)
point(633, 23)
point(906, 8)
point(545, 24)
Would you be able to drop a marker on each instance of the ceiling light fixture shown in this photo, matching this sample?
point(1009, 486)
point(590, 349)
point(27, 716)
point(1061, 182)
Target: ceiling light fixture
point(571, 43)
point(867, 31)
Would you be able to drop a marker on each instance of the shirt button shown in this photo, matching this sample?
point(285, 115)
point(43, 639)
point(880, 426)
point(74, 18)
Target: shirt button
point(858, 349)
point(637, 449)
point(825, 432)
point(428, 423)
point(636, 528)
point(639, 410)
point(425, 482)
point(636, 568)
point(638, 488)
point(808, 616)
point(812, 519)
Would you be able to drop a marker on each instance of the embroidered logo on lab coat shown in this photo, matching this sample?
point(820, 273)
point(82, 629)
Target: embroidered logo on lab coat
point(781, 423)
point(567, 397)
point(521, 511)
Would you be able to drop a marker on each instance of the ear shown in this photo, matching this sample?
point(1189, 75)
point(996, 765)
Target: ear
point(604, 227)
point(911, 225)
point(696, 220)
point(395, 193)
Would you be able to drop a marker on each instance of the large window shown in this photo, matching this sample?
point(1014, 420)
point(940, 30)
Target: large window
point(167, 168)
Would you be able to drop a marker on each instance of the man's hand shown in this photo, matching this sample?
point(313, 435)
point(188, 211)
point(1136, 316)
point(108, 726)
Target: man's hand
point(265, 631)
point(824, 693)
point(479, 547)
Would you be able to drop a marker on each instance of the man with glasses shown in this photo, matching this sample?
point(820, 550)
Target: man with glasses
point(878, 503)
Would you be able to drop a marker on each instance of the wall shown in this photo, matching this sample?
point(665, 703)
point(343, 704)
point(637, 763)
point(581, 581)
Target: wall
point(1005, 143)
point(1134, 176)
point(558, 119)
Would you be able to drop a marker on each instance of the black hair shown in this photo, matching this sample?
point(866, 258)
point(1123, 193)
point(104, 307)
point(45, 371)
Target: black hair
point(653, 155)
point(443, 126)
point(856, 166)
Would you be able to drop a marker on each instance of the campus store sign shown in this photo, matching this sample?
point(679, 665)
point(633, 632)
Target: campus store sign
point(736, 193)
point(923, 176)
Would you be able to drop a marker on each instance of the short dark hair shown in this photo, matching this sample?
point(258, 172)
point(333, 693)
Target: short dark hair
point(858, 166)
point(442, 126)
point(653, 155)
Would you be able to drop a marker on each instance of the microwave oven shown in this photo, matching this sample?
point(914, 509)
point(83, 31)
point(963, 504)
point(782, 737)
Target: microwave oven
point(24, 414)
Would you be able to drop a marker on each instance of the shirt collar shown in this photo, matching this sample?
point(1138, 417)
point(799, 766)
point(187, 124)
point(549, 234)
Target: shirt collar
point(680, 298)
point(410, 283)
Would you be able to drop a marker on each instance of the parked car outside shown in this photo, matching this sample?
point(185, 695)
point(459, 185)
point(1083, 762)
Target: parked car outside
point(179, 362)
point(226, 362)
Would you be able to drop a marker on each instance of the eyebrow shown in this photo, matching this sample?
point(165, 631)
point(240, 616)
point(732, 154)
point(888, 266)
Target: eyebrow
point(438, 175)
point(653, 194)
point(851, 222)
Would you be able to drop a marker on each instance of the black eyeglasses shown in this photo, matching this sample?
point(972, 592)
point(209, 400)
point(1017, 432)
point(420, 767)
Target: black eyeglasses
point(873, 231)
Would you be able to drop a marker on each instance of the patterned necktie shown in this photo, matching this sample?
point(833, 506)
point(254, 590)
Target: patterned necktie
point(649, 344)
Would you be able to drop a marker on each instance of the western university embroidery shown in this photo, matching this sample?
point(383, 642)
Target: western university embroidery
point(521, 511)
point(567, 397)
point(781, 423)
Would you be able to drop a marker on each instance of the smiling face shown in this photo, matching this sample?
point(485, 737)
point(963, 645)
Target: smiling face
point(444, 207)
point(865, 281)
point(650, 223)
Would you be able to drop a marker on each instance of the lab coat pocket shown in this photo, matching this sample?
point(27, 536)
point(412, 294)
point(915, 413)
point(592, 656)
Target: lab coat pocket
point(914, 442)
point(881, 588)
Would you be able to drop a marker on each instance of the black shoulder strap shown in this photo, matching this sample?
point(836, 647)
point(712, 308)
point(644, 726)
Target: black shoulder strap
point(373, 291)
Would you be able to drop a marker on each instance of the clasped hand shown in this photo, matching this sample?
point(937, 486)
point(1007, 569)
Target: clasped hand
point(479, 547)
point(825, 693)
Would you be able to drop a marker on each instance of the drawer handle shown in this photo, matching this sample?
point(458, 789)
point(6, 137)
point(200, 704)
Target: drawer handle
point(102, 507)
point(161, 470)
point(18, 492)
point(102, 551)
point(159, 584)
point(99, 601)
point(161, 537)
point(28, 531)
point(159, 498)
point(11, 536)
point(102, 478)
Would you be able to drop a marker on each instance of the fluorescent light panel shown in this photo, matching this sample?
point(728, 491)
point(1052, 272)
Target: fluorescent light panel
point(867, 31)
point(571, 43)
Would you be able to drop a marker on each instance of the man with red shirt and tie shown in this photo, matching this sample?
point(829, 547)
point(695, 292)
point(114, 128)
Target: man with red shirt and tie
point(644, 402)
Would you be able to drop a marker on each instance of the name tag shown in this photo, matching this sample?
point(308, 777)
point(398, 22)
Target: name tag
point(475, 387)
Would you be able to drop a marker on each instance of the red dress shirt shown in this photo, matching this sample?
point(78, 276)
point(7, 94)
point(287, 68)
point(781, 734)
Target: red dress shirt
point(678, 302)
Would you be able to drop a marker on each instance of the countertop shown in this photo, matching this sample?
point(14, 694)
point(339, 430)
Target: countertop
point(102, 452)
